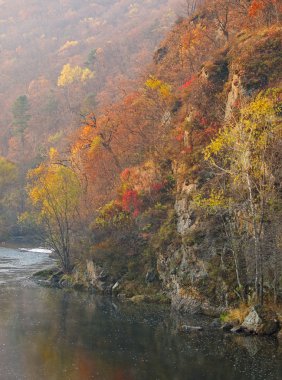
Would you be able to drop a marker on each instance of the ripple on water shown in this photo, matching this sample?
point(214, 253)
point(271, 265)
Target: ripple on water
point(16, 265)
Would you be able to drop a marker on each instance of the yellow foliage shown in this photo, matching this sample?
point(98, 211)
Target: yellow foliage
point(163, 88)
point(241, 146)
point(68, 45)
point(55, 138)
point(215, 200)
point(73, 74)
point(54, 189)
point(8, 172)
point(238, 314)
point(95, 143)
point(53, 154)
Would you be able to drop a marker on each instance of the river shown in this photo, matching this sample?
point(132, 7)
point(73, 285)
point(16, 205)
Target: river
point(53, 334)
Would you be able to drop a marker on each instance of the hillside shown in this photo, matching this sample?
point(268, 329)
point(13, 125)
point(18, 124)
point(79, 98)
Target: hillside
point(171, 190)
point(37, 38)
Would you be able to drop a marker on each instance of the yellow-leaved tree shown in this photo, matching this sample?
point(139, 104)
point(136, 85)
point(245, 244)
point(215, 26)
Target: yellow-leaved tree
point(247, 156)
point(74, 74)
point(54, 191)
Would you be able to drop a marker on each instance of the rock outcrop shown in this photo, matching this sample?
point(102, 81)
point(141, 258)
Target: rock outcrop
point(261, 321)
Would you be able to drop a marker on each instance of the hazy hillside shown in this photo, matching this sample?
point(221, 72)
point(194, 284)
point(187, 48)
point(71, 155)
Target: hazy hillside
point(37, 38)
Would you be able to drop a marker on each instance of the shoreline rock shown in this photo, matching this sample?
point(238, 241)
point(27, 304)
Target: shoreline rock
point(261, 321)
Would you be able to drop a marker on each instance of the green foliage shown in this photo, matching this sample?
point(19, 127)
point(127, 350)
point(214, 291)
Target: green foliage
point(20, 114)
point(91, 58)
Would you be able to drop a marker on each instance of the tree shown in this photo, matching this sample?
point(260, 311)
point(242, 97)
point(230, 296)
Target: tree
point(55, 192)
point(73, 74)
point(21, 117)
point(249, 155)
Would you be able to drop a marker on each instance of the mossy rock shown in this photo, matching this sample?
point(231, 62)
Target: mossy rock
point(45, 274)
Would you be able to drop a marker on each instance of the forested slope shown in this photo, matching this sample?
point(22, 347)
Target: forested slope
point(174, 190)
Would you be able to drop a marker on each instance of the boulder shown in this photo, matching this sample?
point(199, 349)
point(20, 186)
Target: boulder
point(261, 321)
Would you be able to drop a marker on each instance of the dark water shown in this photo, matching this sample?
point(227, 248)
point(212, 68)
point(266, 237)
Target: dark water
point(54, 334)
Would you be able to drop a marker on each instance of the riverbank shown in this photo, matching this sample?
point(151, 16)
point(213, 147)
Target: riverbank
point(57, 332)
point(244, 320)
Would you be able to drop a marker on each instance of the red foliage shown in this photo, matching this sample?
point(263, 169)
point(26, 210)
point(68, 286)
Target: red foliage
point(188, 83)
point(130, 202)
point(257, 6)
point(125, 174)
point(204, 136)
point(203, 121)
point(158, 186)
point(187, 150)
point(180, 136)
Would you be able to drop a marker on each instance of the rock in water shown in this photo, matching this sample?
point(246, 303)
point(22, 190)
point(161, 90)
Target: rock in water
point(261, 321)
point(186, 328)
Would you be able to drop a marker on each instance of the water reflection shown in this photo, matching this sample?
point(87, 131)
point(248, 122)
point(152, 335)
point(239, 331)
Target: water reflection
point(52, 334)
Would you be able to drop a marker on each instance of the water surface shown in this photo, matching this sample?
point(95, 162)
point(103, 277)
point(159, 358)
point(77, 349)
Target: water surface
point(55, 334)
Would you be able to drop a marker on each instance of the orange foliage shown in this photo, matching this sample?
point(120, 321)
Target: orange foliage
point(259, 5)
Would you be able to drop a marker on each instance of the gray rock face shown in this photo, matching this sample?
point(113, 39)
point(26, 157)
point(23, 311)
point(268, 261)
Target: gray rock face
point(234, 95)
point(185, 215)
point(261, 321)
